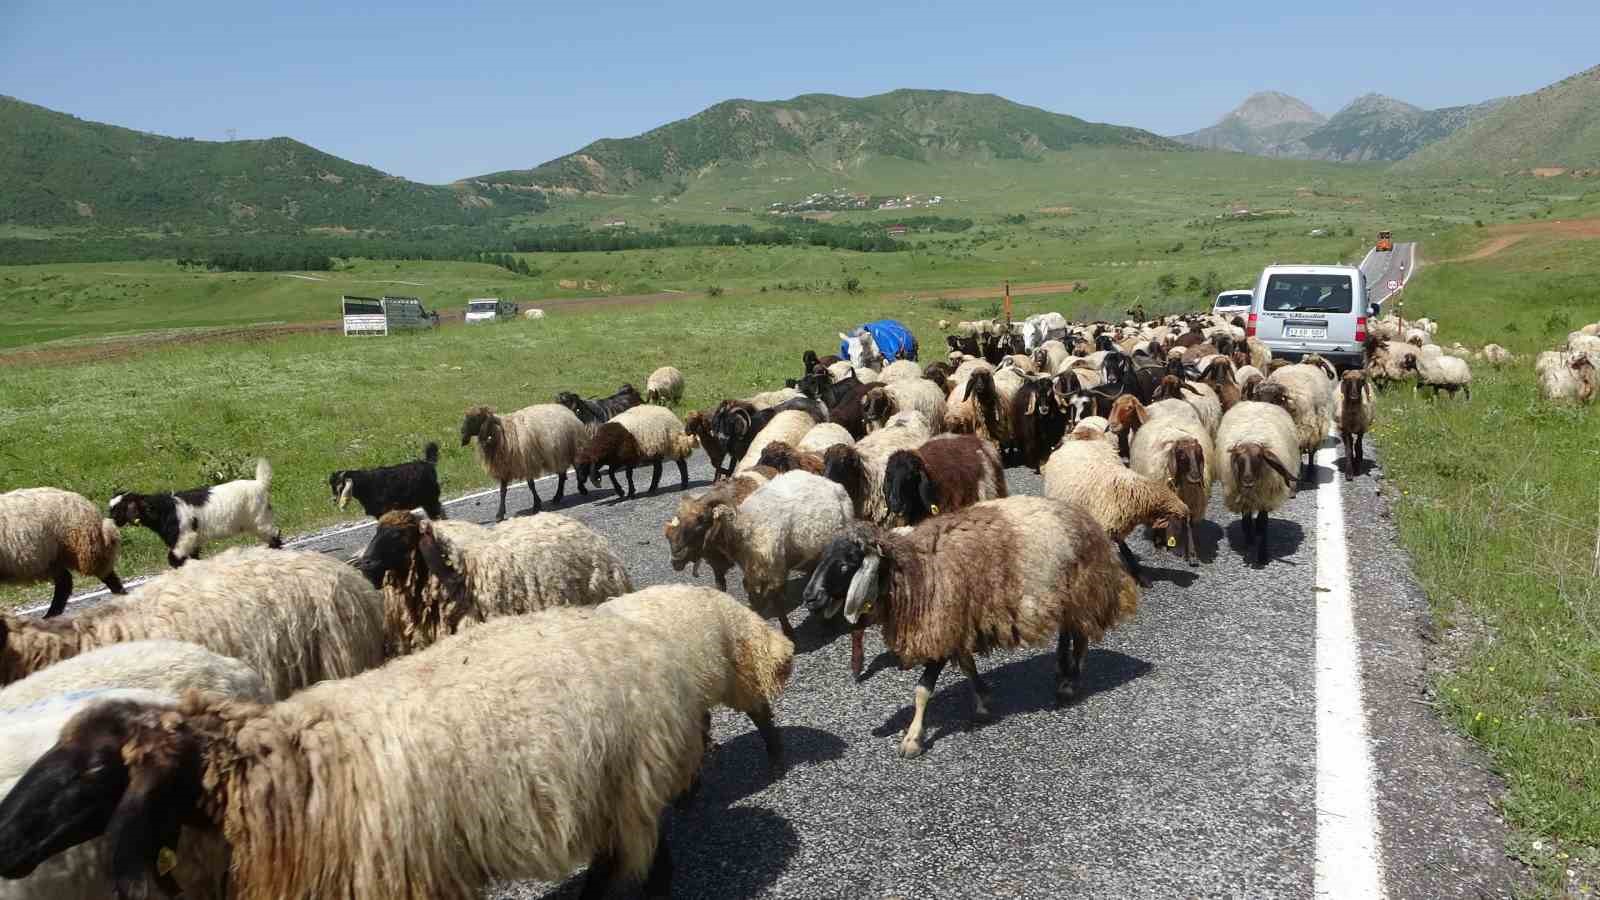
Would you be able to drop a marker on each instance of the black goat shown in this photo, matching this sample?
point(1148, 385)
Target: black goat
point(600, 409)
point(736, 423)
point(1038, 421)
point(405, 486)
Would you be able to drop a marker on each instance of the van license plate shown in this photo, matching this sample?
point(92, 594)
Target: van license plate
point(1304, 332)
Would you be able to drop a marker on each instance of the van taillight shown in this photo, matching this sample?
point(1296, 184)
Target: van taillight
point(1361, 329)
point(1250, 327)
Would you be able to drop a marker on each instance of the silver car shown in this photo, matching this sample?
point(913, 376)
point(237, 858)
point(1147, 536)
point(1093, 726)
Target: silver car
point(1298, 310)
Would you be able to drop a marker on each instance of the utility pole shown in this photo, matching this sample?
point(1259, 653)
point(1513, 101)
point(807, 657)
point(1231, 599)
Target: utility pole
point(1008, 302)
point(233, 134)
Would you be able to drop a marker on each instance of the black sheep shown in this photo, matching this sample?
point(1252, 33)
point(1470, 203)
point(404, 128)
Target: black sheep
point(600, 409)
point(405, 486)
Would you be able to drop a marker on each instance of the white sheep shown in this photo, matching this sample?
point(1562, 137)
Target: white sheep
point(882, 403)
point(1255, 437)
point(665, 386)
point(1177, 451)
point(1496, 354)
point(441, 576)
point(47, 533)
point(789, 426)
point(1583, 342)
point(532, 314)
point(525, 748)
point(823, 435)
point(781, 527)
point(1442, 373)
point(769, 399)
point(1309, 394)
point(1568, 377)
point(158, 665)
point(185, 520)
point(295, 616)
point(901, 370)
point(739, 662)
point(1091, 475)
point(633, 437)
point(535, 441)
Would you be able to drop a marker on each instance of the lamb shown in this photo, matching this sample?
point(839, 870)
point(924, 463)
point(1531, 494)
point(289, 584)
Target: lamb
point(641, 434)
point(535, 441)
point(782, 457)
point(1176, 450)
point(187, 519)
point(438, 576)
point(409, 485)
point(1442, 373)
point(295, 616)
point(882, 402)
point(664, 386)
point(418, 774)
point(949, 472)
point(860, 468)
point(84, 871)
point(1309, 397)
point(1570, 377)
point(738, 661)
point(1119, 499)
point(686, 530)
point(901, 370)
point(1255, 437)
point(1357, 403)
point(782, 526)
point(1496, 354)
point(594, 411)
point(157, 665)
point(824, 435)
point(51, 533)
point(787, 427)
point(996, 575)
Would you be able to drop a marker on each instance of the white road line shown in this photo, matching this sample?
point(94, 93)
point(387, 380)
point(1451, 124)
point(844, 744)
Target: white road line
point(296, 542)
point(1349, 857)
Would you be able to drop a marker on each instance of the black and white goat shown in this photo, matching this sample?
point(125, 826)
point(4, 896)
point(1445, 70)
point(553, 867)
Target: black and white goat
point(600, 409)
point(187, 519)
point(406, 486)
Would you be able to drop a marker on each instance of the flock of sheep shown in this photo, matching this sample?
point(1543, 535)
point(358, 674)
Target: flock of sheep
point(259, 723)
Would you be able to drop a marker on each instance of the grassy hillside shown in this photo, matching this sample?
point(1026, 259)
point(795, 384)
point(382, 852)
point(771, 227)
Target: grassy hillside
point(1375, 127)
point(1259, 125)
point(1554, 127)
point(826, 132)
point(60, 171)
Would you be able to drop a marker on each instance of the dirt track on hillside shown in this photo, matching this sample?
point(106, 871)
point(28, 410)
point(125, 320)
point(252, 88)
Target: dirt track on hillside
point(1504, 237)
point(997, 291)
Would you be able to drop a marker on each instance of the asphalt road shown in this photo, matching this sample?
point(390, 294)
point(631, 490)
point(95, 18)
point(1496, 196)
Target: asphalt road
point(1189, 768)
point(1383, 269)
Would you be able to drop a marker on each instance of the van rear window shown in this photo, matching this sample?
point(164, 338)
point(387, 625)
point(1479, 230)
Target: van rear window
point(1308, 293)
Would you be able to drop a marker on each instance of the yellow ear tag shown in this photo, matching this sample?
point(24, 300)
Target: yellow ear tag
point(933, 509)
point(1171, 541)
point(166, 861)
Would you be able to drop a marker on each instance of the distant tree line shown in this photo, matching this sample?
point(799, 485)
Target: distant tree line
point(577, 239)
point(285, 261)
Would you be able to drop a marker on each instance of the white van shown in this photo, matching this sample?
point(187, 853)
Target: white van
point(1311, 309)
point(489, 309)
point(1233, 303)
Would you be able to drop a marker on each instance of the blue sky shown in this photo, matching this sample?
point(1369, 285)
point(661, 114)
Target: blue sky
point(434, 93)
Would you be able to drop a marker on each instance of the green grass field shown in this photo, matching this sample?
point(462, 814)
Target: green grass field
point(1496, 497)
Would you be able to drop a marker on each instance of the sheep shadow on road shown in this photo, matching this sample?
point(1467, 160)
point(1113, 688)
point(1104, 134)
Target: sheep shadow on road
point(738, 768)
point(1284, 539)
point(1025, 686)
point(736, 852)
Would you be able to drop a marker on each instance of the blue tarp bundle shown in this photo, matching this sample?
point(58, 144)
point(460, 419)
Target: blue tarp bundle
point(894, 340)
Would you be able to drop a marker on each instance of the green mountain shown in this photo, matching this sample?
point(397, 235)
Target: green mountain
point(827, 132)
point(58, 170)
point(1375, 127)
point(1555, 127)
point(1259, 126)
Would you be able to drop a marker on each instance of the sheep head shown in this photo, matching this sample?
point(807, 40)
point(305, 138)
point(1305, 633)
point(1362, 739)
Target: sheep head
point(1187, 462)
point(1353, 384)
point(125, 769)
point(126, 508)
point(687, 529)
point(846, 578)
point(876, 408)
point(341, 484)
point(1127, 414)
point(908, 492)
point(779, 455)
point(1250, 462)
point(571, 401)
point(842, 464)
point(472, 424)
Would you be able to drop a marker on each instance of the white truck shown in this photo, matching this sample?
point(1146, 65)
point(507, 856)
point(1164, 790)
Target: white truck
point(490, 309)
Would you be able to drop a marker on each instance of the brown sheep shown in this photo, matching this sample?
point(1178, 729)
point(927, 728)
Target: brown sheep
point(686, 530)
point(1356, 406)
point(782, 457)
point(948, 473)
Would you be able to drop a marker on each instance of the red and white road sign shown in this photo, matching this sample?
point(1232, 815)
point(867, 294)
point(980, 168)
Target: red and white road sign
point(1394, 285)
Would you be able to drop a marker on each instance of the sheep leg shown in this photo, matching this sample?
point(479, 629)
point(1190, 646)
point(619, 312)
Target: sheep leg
point(631, 489)
point(1466, 390)
point(687, 798)
point(582, 488)
point(561, 488)
point(614, 484)
point(1132, 562)
point(683, 475)
point(113, 583)
point(1261, 538)
point(500, 516)
point(762, 717)
point(534, 490)
point(58, 602)
point(783, 623)
point(1070, 649)
point(658, 884)
point(911, 744)
point(857, 651)
point(1248, 521)
point(980, 690)
point(655, 476)
point(1361, 451)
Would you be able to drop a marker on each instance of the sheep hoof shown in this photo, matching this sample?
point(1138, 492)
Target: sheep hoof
point(910, 749)
point(1066, 695)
